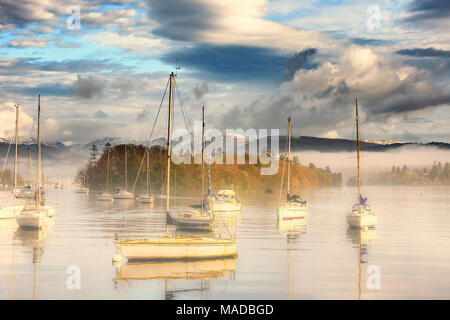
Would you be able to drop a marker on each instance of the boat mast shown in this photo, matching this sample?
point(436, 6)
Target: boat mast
point(289, 156)
point(17, 139)
point(203, 160)
point(38, 169)
point(148, 168)
point(126, 170)
point(357, 152)
point(30, 174)
point(169, 127)
point(107, 170)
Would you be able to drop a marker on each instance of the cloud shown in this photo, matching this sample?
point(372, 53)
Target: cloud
point(89, 87)
point(231, 63)
point(428, 14)
point(298, 61)
point(17, 66)
point(227, 23)
point(200, 90)
point(424, 52)
point(101, 114)
point(40, 42)
point(321, 100)
point(8, 118)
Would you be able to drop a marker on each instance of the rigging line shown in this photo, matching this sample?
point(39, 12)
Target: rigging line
point(6, 158)
point(187, 122)
point(150, 137)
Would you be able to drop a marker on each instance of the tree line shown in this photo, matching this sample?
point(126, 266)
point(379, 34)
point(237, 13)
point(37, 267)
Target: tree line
point(186, 178)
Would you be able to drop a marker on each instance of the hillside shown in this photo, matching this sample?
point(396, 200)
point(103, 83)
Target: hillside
point(186, 178)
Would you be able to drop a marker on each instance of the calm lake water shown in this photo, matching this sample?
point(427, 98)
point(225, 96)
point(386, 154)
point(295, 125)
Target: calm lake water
point(318, 258)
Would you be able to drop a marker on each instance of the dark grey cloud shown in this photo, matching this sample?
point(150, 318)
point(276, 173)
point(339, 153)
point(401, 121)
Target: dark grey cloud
point(424, 52)
point(371, 42)
point(299, 61)
point(239, 63)
point(180, 19)
point(89, 87)
point(200, 90)
point(427, 13)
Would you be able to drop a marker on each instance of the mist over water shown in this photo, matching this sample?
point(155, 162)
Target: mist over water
point(373, 162)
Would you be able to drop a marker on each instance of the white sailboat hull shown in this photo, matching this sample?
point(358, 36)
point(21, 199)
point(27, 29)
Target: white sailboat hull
point(361, 220)
point(286, 212)
point(124, 197)
point(34, 219)
point(177, 249)
point(218, 206)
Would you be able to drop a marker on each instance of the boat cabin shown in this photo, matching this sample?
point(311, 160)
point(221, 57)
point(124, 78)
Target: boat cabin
point(226, 195)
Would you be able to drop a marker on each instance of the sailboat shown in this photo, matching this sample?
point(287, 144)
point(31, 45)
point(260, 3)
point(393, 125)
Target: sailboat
point(362, 215)
point(27, 191)
point(123, 194)
point(196, 219)
point(83, 188)
point(147, 198)
point(35, 215)
point(10, 212)
point(106, 196)
point(170, 248)
point(294, 207)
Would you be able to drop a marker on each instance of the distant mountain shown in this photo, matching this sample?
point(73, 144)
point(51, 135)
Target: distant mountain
point(305, 143)
point(58, 151)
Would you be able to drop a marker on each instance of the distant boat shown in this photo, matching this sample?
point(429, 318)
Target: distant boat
point(362, 215)
point(106, 196)
point(225, 200)
point(123, 194)
point(35, 215)
point(147, 198)
point(196, 219)
point(294, 207)
point(83, 188)
point(170, 248)
point(10, 211)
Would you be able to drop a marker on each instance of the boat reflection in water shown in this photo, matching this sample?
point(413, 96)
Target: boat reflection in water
point(36, 239)
point(188, 270)
point(202, 270)
point(362, 238)
point(292, 228)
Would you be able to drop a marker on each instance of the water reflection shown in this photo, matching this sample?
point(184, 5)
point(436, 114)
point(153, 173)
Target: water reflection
point(35, 239)
point(363, 238)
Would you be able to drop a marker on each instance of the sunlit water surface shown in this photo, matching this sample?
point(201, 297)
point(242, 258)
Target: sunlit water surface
point(318, 258)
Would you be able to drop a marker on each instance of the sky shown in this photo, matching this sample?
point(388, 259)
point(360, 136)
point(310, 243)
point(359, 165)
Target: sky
point(103, 72)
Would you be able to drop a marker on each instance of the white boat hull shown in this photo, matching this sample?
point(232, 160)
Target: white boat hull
point(361, 220)
point(176, 249)
point(218, 206)
point(192, 220)
point(287, 212)
point(33, 221)
point(124, 197)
